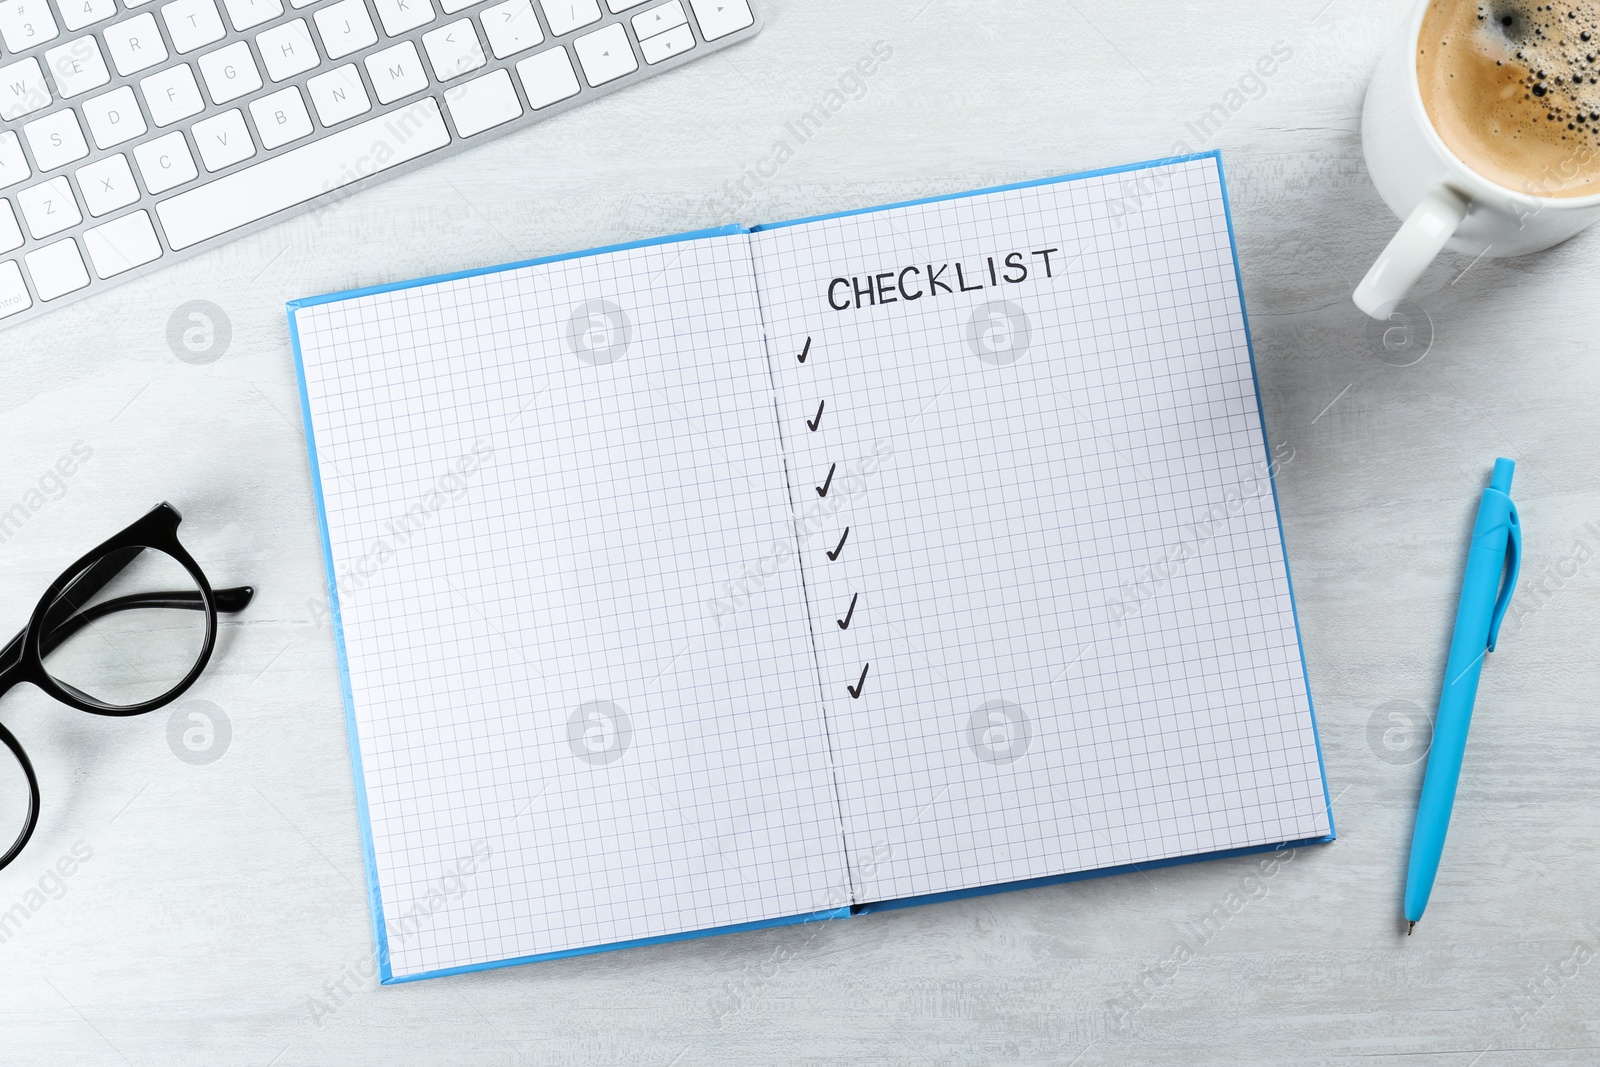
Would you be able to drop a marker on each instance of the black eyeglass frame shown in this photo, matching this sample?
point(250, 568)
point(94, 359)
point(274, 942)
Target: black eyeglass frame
point(58, 616)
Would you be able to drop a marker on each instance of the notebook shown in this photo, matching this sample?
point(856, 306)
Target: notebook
point(756, 576)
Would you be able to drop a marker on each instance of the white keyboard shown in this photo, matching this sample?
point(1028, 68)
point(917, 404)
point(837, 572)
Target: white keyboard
point(133, 132)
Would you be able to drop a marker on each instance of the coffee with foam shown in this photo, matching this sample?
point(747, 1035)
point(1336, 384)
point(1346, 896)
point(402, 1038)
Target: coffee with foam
point(1513, 89)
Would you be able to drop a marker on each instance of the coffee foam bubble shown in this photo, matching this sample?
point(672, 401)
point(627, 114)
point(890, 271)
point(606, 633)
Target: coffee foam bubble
point(1514, 88)
point(1555, 49)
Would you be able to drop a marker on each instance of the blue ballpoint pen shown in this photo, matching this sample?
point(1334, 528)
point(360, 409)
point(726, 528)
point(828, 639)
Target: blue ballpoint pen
point(1485, 594)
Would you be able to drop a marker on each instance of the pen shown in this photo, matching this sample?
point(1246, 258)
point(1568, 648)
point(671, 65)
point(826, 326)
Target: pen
point(1496, 541)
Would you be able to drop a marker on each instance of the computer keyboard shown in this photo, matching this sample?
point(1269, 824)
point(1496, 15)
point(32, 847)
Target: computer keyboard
point(134, 132)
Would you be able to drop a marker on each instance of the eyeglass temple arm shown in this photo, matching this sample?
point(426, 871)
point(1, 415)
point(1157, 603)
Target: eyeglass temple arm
point(87, 584)
point(228, 601)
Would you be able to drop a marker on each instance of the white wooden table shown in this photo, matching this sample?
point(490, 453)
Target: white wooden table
point(221, 918)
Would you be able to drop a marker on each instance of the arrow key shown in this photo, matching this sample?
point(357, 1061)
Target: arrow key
point(605, 54)
point(718, 18)
point(674, 42)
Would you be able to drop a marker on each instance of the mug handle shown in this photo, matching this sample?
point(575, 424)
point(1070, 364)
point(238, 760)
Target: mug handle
point(1409, 252)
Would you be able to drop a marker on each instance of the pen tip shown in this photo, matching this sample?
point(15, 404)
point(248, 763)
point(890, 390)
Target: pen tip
point(1411, 924)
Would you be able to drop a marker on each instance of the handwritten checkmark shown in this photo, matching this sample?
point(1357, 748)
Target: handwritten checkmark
point(814, 423)
point(855, 690)
point(844, 623)
point(834, 555)
point(822, 490)
point(804, 352)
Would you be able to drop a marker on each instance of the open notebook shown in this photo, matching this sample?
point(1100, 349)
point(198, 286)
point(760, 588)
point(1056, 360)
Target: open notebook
point(754, 576)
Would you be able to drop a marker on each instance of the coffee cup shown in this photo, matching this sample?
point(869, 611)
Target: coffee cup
point(1481, 150)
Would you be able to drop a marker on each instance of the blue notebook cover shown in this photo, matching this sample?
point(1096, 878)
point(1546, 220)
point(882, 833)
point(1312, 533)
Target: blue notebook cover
point(379, 922)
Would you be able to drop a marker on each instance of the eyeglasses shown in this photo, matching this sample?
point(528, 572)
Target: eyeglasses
point(124, 630)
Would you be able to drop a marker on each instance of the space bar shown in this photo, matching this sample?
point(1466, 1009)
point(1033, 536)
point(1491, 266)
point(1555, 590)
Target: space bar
point(281, 182)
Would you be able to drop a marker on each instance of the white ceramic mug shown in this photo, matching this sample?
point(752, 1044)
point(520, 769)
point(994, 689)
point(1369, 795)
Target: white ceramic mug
point(1445, 204)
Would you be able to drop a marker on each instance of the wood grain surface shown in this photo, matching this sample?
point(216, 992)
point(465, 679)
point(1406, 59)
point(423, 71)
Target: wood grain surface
point(221, 915)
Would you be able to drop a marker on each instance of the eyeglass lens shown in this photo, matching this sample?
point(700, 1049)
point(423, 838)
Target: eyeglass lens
point(135, 639)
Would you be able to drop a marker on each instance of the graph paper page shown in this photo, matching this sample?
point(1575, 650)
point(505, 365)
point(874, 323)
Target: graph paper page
point(582, 681)
point(1047, 579)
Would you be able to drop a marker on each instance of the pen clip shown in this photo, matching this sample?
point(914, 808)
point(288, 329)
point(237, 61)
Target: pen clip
point(1514, 547)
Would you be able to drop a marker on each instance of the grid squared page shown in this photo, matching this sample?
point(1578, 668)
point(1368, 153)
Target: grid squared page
point(545, 489)
point(1063, 550)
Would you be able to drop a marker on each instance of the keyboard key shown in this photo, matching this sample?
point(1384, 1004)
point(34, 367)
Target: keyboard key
point(718, 18)
point(223, 140)
point(165, 162)
point(192, 24)
point(281, 117)
point(287, 50)
point(13, 164)
point(135, 45)
point(76, 176)
point(122, 244)
point(511, 26)
point(659, 19)
point(345, 27)
point(49, 208)
point(338, 95)
point(22, 89)
point(483, 103)
point(76, 14)
point(171, 95)
point(230, 72)
point(107, 184)
point(548, 77)
point(402, 16)
point(453, 50)
point(10, 231)
point(245, 14)
point(13, 290)
point(77, 66)
point(294, 177)
point(662, 46)
point(396, 72)
point(56, 269)
point(56, 140)
point(605, 54)
point(564, 16)
point(114, 117)
point(26, 23)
